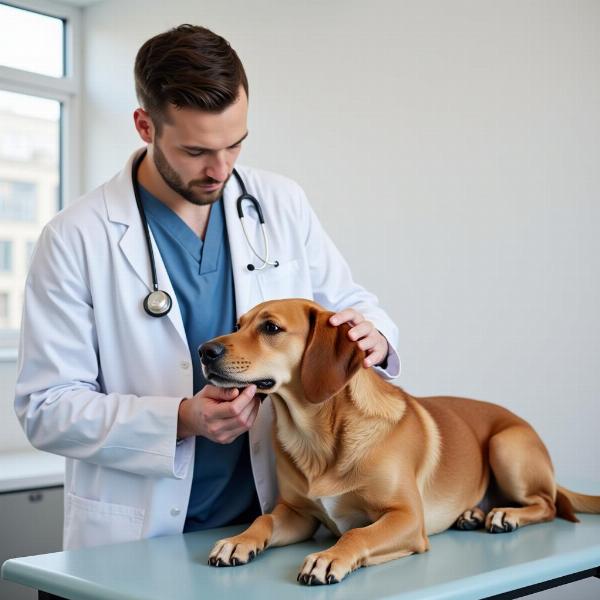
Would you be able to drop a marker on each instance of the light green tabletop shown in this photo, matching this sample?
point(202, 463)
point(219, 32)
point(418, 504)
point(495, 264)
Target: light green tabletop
point(460, 565)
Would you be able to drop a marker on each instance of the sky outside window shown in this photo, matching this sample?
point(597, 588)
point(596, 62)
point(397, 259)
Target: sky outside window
point(31, 41)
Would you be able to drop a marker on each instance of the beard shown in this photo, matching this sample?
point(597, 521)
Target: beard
point(174, 181)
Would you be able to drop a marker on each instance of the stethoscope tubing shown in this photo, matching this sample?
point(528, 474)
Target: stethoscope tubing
point(261, 219)
point(138, 200)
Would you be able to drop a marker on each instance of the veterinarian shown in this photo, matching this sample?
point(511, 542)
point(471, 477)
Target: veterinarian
point(120, 296)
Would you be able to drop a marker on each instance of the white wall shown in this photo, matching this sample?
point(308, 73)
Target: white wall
point(451, 149)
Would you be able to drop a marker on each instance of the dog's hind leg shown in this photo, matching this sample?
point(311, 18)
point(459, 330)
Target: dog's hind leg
point(470, 519)
point(524, 474)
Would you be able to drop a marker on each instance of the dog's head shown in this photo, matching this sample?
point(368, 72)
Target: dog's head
point(284, 344)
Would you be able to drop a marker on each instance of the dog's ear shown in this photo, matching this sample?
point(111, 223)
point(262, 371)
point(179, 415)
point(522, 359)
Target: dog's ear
point(330, 357)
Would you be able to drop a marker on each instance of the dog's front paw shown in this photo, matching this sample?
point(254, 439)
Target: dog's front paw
point(323, 568)
point(234, 551)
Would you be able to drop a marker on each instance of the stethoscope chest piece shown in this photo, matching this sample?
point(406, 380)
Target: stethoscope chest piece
point(157, 303)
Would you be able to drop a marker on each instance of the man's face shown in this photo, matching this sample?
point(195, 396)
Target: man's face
point(196, 151)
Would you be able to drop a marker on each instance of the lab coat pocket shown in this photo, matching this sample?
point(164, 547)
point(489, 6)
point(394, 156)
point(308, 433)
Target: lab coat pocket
point(93, 523)
point(281, 282)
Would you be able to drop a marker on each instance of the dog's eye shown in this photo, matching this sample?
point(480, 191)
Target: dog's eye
point(271, 328)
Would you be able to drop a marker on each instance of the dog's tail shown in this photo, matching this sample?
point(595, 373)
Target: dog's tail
point(569, 502)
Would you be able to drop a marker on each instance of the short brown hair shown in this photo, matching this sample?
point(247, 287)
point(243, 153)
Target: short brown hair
point(187, 66)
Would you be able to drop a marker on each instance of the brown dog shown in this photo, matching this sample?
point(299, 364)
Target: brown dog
point(379, 468)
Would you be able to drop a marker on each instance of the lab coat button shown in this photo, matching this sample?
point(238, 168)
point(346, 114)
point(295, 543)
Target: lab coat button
point(175, 512)
point(185, 365)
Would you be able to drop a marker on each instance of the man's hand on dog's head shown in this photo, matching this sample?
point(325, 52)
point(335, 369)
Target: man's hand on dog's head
point(364, 333)
point(219, 414)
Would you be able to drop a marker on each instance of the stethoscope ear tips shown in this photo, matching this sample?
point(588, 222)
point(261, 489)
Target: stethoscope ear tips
point(276, 263)
point(251, 267)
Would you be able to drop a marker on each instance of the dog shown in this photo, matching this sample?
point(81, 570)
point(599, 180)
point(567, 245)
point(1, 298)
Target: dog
point(381, 469)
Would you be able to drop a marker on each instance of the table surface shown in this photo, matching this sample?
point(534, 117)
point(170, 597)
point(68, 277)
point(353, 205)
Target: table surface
point(460, 565)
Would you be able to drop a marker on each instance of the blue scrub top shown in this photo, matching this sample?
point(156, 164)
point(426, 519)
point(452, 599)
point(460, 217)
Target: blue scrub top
point(223, 490)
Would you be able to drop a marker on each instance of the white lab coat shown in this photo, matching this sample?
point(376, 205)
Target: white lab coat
point(100, 382)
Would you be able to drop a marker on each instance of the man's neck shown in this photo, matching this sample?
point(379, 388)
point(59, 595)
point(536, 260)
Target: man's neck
point(195, 217)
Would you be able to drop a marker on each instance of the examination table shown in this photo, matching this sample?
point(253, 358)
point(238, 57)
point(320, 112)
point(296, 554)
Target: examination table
point(461, 565)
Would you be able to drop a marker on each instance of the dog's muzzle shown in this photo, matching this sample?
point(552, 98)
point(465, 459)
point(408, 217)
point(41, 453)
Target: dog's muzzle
point(211, 352)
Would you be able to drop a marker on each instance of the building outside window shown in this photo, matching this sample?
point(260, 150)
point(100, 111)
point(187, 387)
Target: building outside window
point(6, 251)
point(4, 302)
point(18, 199)
point(39, 165)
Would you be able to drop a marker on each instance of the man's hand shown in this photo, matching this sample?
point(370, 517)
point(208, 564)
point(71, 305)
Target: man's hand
point(219, 414)
point(364, 333)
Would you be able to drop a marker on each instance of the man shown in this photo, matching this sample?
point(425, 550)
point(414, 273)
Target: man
point(151, 450)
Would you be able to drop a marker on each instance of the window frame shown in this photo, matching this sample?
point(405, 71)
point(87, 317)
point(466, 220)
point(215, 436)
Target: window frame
point(66, 90)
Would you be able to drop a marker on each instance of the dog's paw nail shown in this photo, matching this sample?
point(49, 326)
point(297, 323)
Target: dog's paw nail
point(505, 528)
point(466, 524)
point(332, 579)
point(502, 525)
point(235, 562)
point(251, 555)
point(509, 527)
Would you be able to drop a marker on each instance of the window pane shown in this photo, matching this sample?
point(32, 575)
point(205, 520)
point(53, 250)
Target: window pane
point(29, 178)
point(31, 41)
point(4, 312)
point(17, 200)
point(5, 256)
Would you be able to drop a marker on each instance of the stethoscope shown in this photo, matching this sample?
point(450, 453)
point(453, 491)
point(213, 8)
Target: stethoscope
point(158, 302)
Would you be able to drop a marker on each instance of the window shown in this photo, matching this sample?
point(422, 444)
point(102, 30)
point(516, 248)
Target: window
point(39, 146)
point(6, 262)
point(4, 312)
point(41, 50)
point(17, 200)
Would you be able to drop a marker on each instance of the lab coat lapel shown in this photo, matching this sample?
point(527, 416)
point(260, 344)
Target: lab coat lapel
point(247, 293)
point(122, 208)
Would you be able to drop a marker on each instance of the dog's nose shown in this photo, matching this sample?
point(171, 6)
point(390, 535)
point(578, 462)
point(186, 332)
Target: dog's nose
point(211, 352)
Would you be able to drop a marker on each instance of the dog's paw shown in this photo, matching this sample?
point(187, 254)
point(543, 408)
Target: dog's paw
point(323, 568)
point(234, 551)
point(470, 519)
point(499, 520)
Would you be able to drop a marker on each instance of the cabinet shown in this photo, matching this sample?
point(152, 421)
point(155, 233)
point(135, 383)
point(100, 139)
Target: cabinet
point(31, 522)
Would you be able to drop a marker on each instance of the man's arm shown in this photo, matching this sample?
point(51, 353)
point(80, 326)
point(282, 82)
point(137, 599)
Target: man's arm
point(58, 399)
